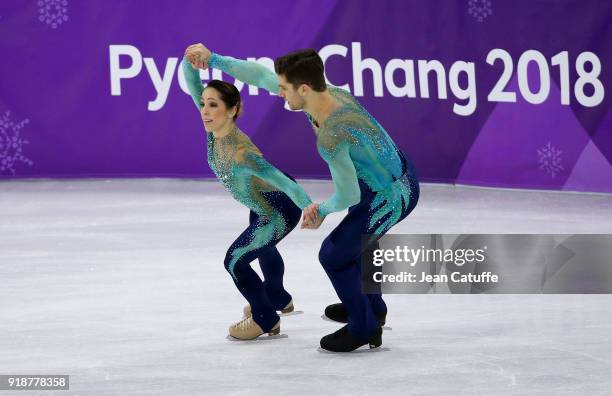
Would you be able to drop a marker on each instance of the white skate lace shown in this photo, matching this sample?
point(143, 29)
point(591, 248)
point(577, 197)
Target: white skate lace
point(245, 324)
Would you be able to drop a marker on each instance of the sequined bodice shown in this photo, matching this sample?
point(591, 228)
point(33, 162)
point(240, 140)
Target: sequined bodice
point(375, 156)
point(232, 160)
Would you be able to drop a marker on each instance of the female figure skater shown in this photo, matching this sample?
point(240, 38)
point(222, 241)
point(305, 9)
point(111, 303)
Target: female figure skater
point(274, 198)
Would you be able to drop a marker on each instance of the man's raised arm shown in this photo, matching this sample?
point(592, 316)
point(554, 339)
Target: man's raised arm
point(251, 73)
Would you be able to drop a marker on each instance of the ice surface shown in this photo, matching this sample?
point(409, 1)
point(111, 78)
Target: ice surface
point(121, 285)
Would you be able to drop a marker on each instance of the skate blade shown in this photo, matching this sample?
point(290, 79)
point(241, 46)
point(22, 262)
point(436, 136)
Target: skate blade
point(263, 337)
point(291, 313)
point(325, 318)
point(360, 350)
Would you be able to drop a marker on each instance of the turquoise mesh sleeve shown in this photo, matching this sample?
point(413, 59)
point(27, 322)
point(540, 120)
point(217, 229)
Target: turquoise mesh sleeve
point(251, 73)
point(343, 175)
point(270, 174)
point(194, 84)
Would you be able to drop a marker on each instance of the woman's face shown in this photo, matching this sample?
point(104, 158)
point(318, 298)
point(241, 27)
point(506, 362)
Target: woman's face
point(214, 112)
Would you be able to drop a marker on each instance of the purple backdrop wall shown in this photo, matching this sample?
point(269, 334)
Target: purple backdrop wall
point(550, 126)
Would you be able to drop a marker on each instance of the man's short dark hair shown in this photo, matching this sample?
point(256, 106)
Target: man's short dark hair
point(302, 67)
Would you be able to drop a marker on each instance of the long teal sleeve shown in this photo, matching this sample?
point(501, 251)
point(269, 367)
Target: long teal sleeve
point(344, 177)
point(194, 84)
point(270, 174)
point(251, 73)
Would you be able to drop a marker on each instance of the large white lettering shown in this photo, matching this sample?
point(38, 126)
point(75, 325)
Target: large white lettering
point(398, 77)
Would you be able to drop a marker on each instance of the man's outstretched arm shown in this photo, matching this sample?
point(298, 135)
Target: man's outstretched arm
point(251, 73)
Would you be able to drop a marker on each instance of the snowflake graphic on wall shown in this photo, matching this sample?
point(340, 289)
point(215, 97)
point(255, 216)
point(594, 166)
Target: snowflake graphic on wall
point(480, 9)
point(549, 158)
point(11, 144)
point(53, 12)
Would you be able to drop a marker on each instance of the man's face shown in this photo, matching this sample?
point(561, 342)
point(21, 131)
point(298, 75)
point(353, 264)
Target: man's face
point(290, 94)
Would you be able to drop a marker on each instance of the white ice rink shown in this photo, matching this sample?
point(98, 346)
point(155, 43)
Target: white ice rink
point(120, 284)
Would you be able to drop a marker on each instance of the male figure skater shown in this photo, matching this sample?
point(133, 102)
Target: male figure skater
point(371, 176)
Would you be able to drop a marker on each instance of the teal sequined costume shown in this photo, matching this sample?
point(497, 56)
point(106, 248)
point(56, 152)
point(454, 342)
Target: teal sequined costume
point(275, 201)
point(240, 166)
